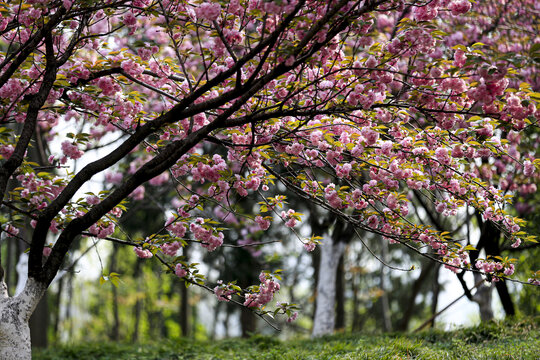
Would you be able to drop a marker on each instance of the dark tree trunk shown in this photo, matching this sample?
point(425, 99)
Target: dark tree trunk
point(247, 320)
point(356, 282)
point(137, 308)
point(483, 298)
point(57, 313)
point(163, 331)
point(506, 299)
point(10, 271)
point(39, 320)
point(217, 308)
point(355, 316)
point(435, 298)
point(184, 311)
point(489, 240)
point(226, 321)
point(115, 328)
point(39, 323)
point(184, 304)
point(403, 324)
point(316, 262)
point(68, 307)
point(194, 322)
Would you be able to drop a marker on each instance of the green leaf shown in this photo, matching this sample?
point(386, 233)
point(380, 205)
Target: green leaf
point(459, 47)
point(534, 48)
point(531, 239)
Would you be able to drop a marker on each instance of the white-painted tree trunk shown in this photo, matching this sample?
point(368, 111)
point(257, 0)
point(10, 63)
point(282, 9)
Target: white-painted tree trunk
point(14, 315)
point(323, 323)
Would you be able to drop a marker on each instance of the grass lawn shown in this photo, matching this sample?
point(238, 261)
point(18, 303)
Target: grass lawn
point(507, 340)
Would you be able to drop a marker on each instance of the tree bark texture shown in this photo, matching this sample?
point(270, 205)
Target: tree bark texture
point(427, 268)
point(435, 288)
point(483, 298)
point(184, 303)
point(39, 323)
point(15, 313)
point(387, 322)
point(490, 241)
point(340, 295)
point(137, 308)
point(331, 251)
point(115, 328)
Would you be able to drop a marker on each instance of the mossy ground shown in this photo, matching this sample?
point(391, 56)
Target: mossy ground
point(504, 340)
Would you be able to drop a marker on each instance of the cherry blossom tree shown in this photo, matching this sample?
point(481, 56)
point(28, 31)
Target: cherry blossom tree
point(225, 100)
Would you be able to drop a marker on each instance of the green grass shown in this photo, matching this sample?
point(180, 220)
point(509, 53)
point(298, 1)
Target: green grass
point(506, 340)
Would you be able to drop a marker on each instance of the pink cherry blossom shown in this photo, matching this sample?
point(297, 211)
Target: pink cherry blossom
point(208, 11)
point(528, 168)
point(71, 150)
point(143, 253)
point(47, 251)
point(92, 200)
point(310, 246)
point(129, 19)
point(263, 223)
point(171, 249)
point(180, 271)
point(459, 7)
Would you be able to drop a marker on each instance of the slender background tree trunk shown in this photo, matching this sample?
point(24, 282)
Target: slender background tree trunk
point(340, 295)
point(184, 303)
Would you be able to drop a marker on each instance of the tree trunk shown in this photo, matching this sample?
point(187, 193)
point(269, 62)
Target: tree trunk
point(483, 298)
point(138, 304)
point(184, 302)
point(340, 295)
point(356, 284)
point(15, 313)
point(9, 266)
point(248, 323)
point(355, 316)
point(316, 262)
point(39, 323)
point(436, 288)
point(506, 299)
point(57, 313)
point(489, 240)
point(409, 308)
point(331, 251)
point(384, 298)
point(115, 328)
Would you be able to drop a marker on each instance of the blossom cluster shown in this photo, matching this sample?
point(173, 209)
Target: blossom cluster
point(493, 267)
point(224, 292)
point(206, 236)
point(266, 290)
